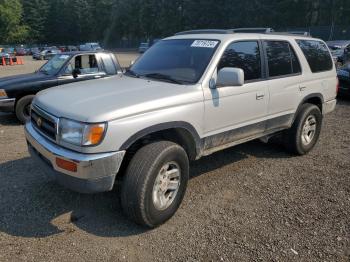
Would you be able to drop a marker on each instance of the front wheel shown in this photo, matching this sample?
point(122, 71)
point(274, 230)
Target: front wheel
point(305, 131)
point(155, 183)
point(23, 108)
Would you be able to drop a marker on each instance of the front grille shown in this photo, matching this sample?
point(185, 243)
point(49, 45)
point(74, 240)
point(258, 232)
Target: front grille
point(44, 123)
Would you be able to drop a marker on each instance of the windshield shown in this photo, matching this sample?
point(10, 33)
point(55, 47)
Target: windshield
point(54, 65)
point(182, 60)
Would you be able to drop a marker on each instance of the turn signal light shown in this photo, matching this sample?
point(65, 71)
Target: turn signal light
point(66, 165)
point(94, 134)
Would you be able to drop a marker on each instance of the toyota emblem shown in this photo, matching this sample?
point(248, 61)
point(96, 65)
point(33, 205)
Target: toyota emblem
point(39, 122)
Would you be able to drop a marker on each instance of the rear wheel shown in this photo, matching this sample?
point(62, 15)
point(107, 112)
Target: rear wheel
point(305, 132)
point(155, 183)
point(23, 108)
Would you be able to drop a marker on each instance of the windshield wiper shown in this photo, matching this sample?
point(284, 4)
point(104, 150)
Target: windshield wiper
point(132, 73)
point(44, 71)
point(160, 76)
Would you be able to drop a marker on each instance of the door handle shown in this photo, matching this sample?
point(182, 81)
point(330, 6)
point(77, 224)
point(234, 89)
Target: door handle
point(260, 96)
point(302, 88)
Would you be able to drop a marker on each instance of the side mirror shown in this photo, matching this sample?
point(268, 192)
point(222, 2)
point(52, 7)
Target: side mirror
point(230, 76)
point(76, 72)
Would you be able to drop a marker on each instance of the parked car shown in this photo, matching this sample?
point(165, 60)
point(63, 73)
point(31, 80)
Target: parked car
point(17, 92)
point(21, 52)
point(344, 80)
point(143, 47)
point(188, 96)
point(72, 48)
point(46, 54)
point(33, 50)
point(340, 51)
point(90, 47)
point(9, 50)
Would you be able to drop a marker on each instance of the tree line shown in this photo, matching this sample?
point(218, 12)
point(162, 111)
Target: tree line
point(111, 21)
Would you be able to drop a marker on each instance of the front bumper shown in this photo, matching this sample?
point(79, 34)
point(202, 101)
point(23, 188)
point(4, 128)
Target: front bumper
point(95, 172)
point(7, 104)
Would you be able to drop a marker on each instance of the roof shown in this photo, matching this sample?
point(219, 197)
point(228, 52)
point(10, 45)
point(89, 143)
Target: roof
point(83, 52)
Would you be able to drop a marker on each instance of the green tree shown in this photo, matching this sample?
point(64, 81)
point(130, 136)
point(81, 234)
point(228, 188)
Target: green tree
point(11, 28)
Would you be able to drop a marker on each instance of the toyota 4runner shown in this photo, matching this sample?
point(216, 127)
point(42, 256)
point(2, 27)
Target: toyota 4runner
point(188, 96)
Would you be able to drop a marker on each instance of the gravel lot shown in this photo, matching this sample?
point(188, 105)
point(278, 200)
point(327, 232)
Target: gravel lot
point(253, 202)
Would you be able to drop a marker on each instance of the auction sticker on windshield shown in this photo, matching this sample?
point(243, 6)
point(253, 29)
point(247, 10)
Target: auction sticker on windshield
point(64, 56)
point(204, 43)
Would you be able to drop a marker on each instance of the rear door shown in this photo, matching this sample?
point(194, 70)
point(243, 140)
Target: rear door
point(284, 81)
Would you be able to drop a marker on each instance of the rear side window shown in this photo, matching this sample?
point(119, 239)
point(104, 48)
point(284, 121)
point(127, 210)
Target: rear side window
point(243, 55)
point(317, 55)
point(281, 58)
point(108, 64)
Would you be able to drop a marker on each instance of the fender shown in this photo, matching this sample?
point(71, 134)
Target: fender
point(164, 126)
point(310, 96)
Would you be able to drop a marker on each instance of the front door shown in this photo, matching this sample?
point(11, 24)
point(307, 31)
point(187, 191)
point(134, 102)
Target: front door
point(237, 112)
point(85, 65)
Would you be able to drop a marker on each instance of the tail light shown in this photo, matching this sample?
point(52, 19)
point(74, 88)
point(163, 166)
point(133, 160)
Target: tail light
point(338, 85)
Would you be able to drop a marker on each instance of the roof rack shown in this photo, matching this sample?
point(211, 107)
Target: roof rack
point(257, 30)
point(260, 30)
point(205, 31)
point(299, 33)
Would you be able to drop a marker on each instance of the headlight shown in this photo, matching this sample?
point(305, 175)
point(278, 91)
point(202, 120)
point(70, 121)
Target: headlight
point(80, 134)
point(3, 93)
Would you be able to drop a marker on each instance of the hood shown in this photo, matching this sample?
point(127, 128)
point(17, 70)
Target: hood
point(345, 68)
point(114, 97)
point(12, 82)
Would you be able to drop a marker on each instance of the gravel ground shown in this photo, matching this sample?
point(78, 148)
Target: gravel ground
point(253, 202)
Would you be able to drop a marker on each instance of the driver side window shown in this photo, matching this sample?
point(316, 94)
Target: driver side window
point(87, 64)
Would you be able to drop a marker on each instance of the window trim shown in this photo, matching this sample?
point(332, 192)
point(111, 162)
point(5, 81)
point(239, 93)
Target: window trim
point(329, 53)
point(262, 63)
point(291, 48)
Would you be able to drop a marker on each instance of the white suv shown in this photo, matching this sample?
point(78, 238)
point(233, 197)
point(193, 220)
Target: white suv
point(188, 96)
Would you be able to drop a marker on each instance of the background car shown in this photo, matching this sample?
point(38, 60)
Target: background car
point(62, 69)
point(21, 52)
point(344, 80)
point(90, 47)
point(46, 54)
point(33, 50)
point(143, 47)
point(340, 51)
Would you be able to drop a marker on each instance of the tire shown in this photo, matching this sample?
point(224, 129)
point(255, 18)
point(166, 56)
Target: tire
point(300, 139)
point(22, 108)
point(138, 197)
